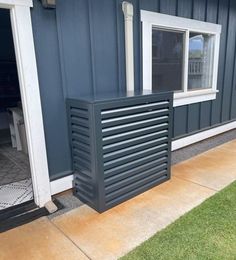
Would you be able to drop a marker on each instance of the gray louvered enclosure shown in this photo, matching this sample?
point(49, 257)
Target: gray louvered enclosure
point(121, 146)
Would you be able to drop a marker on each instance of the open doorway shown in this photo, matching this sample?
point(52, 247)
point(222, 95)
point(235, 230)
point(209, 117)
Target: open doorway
point(15, 176)
point(22, 31)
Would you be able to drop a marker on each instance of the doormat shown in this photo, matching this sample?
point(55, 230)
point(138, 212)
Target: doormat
point(15, 193)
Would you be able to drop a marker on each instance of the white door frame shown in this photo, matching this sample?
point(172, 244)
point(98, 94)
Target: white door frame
point(30, 96)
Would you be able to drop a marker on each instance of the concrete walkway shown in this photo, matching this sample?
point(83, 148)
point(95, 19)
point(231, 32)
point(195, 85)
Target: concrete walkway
point(84, 234)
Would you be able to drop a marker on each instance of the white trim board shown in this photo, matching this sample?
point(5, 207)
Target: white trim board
point(66, 183)
point(177, 22)
point(62, 184)
point(185, 141)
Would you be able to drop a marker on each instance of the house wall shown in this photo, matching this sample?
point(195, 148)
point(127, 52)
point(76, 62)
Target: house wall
point(80, 50)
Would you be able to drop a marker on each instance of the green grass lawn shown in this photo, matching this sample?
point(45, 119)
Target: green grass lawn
point(206, 232)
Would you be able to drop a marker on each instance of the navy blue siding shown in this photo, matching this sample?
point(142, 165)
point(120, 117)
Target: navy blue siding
point(80, 50)
point(52, 96)
point(230, 57)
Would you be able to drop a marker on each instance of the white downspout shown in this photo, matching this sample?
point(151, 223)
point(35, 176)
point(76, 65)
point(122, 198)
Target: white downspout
point(129, 46)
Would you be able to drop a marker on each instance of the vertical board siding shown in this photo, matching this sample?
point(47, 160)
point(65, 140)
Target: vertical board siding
point(223, 9)
point(180, 122)
point(184, 8)
point(227, 90)
point(73, 31)
point(120, 46)
point(152, 5)
point(193, 119)
point(199, 9)
point(233, 97)
point(51, 91)
point(104, 45)
point(84, 43)
point(168, 7)
point(212, 17)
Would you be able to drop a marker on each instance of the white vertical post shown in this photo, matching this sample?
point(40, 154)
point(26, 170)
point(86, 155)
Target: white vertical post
point(31, 102)
point(129, 45)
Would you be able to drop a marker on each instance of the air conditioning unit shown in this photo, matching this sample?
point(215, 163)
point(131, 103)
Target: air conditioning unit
point(121, 146)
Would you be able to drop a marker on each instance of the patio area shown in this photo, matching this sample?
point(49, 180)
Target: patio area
point(85, 234)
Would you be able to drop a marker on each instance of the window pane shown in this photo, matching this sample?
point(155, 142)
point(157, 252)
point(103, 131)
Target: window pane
point(201, 48)
point(167, 60)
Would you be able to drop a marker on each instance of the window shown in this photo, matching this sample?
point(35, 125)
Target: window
point(201, 47)
point(167, 59)
point(180, 55)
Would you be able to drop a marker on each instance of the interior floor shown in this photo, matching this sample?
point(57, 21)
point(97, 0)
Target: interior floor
point(14, 165)
point(15, 179)
point(15, 175)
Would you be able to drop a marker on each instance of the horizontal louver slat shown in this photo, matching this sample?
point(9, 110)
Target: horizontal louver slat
point(137, 162)
point(79, 121)
point(80, 113)
point(132, 149)
point(135, 191)
point(135, 170)
point(136, 132)
point(130, 158)
point(80, 129)
point(80, 146)
point(135, 125)
point(129, 143)
point(134, 118)
point(80, 138)
point(133, 109)
point(134, 185)
point(135, 178)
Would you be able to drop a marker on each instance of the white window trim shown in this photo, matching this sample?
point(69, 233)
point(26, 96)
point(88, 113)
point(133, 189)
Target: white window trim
point(152, 19)
point(30, 95)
